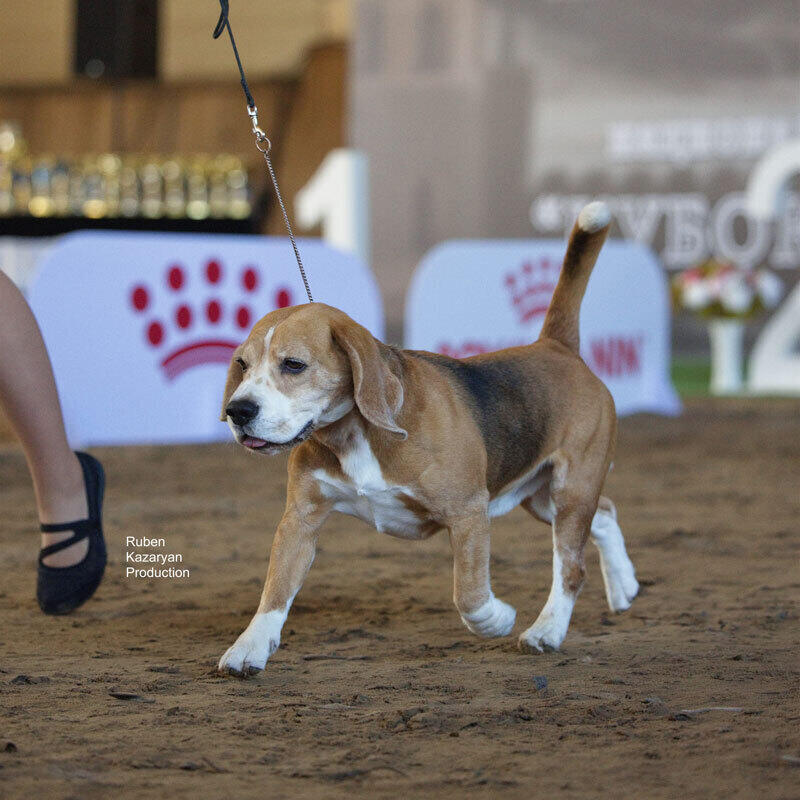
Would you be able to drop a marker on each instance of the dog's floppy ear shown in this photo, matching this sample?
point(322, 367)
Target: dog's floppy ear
point(235, 376)
point(376, 390)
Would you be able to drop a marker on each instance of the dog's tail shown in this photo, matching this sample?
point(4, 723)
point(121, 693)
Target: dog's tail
point(585, 241)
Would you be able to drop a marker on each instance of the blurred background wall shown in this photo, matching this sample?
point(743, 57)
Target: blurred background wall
point(503, 117)
point(480, 118)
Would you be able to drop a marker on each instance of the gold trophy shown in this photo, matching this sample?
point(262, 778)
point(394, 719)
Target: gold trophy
point(94, 201)
point(174, 189)
point(129, 189)
point(59, 188)
point(41, 202)
point(197, 205)
point(152, 189)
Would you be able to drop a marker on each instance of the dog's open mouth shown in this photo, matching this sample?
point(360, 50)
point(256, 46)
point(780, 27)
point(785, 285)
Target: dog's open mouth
point(270, 448)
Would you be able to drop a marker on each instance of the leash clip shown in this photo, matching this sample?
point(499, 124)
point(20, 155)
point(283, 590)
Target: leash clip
point(262, 142)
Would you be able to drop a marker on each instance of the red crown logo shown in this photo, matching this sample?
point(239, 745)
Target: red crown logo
point(195, 333)
point(531, 287)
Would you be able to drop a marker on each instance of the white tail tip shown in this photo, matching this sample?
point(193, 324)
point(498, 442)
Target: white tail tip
point(594, 217)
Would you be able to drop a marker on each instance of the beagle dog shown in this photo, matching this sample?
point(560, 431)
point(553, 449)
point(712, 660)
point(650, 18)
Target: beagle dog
point(413, 442)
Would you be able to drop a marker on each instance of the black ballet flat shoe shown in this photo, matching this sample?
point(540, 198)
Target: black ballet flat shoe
point(60, 590)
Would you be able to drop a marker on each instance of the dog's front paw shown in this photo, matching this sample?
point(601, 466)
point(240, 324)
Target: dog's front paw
point(493, 618)
point(547, 633)
point(250, 652)
point(247, 656)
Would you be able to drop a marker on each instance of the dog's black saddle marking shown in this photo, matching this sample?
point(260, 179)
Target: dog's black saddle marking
point(507, 403)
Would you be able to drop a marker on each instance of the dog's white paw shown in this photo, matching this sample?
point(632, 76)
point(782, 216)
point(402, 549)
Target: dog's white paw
point(621, 585)
point(247, 656)
point(619, 575)
point(493, 618)
point(547, 633)
point(251, 650)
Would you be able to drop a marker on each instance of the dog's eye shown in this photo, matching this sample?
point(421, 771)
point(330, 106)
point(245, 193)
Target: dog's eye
point(292, 365)
point(241, 362)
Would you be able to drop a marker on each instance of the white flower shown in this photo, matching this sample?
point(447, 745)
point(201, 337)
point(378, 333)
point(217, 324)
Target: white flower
point(735, 294)
point(715, 284)
point(770, 288)
point(696, 295)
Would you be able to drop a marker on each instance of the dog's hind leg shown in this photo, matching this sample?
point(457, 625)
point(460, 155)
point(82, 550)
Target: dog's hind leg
point(570, 532)
point(482, 612)
point(569, 503)
point(619, 576)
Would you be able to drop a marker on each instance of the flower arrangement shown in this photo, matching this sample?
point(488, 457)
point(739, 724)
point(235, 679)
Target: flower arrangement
point(726, 297)
point(720, 290)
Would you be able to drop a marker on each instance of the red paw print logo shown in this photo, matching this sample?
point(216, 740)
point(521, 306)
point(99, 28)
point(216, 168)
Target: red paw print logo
point(200, 315)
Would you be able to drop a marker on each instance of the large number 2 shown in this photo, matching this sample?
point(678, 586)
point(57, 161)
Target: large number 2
point(775, 362)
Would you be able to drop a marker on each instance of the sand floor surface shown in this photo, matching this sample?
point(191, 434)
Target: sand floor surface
point(378, 690)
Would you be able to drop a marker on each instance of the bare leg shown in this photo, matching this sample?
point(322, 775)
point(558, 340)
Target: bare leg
point(29, 398)
point(290, 559)
point(480, 610)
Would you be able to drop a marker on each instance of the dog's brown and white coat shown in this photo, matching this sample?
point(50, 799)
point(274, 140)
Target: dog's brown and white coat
point(414, 442)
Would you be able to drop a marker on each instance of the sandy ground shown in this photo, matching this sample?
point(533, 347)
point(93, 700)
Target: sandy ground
point(378, 690)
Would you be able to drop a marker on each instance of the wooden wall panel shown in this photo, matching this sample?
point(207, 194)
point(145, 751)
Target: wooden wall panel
point(142, 117)
point(195, 118)
point(58, 120)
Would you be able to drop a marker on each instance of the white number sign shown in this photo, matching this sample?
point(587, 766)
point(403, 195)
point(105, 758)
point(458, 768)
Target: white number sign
point(775, 362)
point(337, 197)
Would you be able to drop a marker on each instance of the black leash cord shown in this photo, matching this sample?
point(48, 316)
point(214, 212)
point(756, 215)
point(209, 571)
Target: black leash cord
point(262, 142)
point(223, 24)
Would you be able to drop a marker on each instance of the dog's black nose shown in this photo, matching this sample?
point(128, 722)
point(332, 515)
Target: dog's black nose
point(242, 411)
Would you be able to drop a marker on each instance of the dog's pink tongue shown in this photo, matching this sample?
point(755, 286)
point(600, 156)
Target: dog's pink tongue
point(252, 442)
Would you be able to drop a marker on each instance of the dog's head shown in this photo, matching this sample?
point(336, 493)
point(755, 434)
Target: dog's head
point(302, 368)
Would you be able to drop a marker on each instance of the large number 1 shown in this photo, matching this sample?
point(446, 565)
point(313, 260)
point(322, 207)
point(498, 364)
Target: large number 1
point(337, 197)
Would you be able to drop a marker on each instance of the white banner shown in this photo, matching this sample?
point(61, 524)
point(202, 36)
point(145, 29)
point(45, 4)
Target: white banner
point(140, 327)
point(470, 297)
